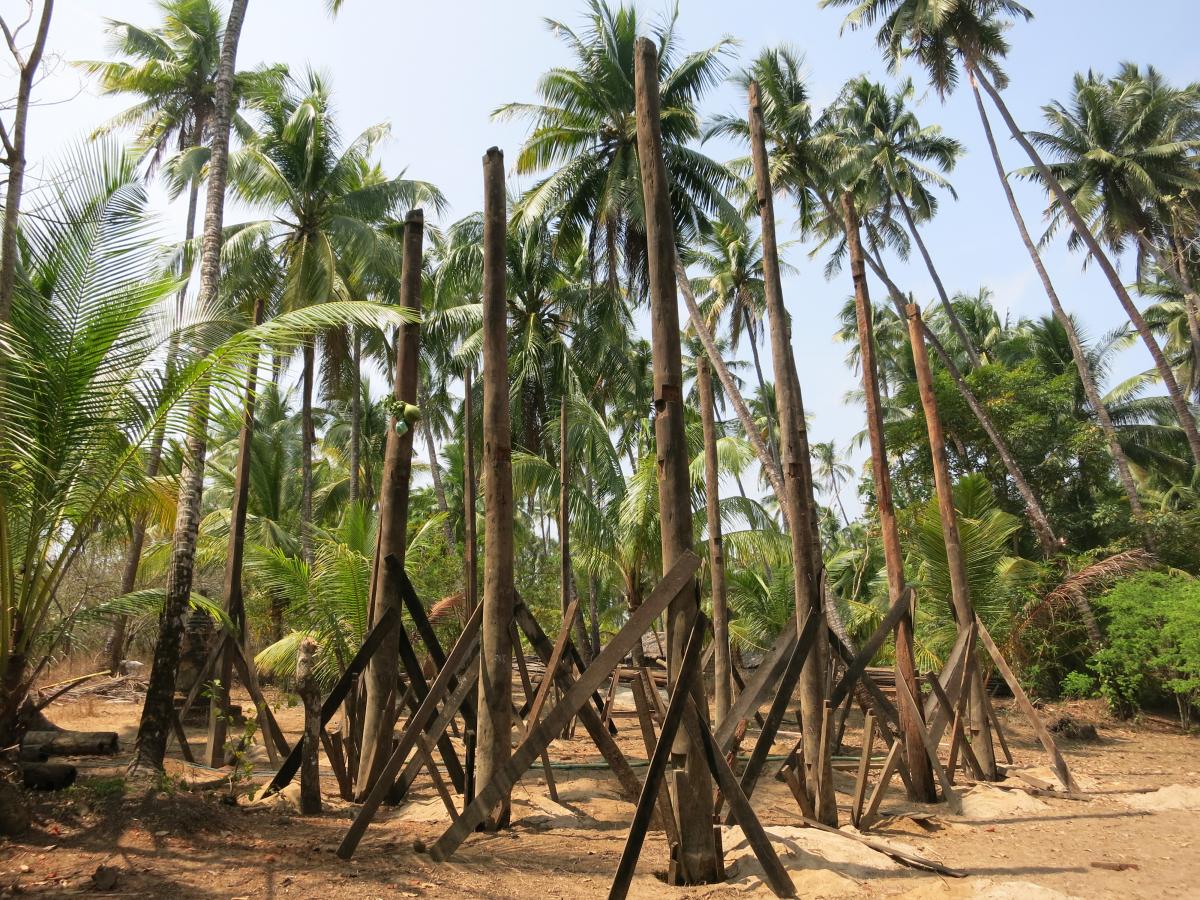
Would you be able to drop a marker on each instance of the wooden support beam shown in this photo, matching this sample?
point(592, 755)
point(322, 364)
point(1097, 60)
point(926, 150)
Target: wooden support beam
point(527, 687)
point(760, 686)
point(949, 794)
point(885, 776)
point(455, 704)
point(587, 714)
point(464, 649)
point(864, 766)
point(291, 765)
point(787, 685)
point(856, 667)
point(649, 740)
point(1014, 685)
point(577, 695)
point(272, 733)
point(657, 769)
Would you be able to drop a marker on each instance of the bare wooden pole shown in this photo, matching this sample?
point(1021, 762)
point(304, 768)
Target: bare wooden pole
point(381, 674)
point(722, 668)
point(693, 791)
point(310, 771)
point(793, 440)
point(495, 671)
point(981, 738)
point(921, 786)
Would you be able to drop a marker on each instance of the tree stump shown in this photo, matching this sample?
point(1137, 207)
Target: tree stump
point(310, 771)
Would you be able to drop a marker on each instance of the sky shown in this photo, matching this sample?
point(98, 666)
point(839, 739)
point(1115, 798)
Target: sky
point(436, 71)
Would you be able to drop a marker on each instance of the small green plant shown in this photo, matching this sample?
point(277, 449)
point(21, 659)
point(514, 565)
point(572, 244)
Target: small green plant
point(1078, 686)
point(237, 744)
point(105, 788)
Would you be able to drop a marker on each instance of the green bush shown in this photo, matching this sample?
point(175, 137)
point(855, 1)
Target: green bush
point(1078, 686)
point(1152, 654)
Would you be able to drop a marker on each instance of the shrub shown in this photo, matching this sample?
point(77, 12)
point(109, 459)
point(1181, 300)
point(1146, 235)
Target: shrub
point(1153, 644)
point(1078, 686)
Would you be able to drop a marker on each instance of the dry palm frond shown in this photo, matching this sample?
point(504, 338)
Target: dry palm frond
point(451, 608)
point(1074, 590)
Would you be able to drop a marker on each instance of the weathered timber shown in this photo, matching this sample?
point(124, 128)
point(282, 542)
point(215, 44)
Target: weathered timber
point(864, 765)
point(855, 668)
point(760, 685)
point(574, 698)
point(948, 793)
point(71, 743)
point(649, 740)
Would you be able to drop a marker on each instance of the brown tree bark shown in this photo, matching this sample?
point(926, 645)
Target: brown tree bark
point(494, 719)
point(308, 438)
point(235, 605)
point(921, 788)
point(356, 419)
point(1033, 507)
point(793, 449)
point(722, 665)
point(155, 723)
point(692, 785)
point(310, 697)
point(960, 590)
point(1187, 421)
point(381, 676)
point(470, 543)
point(14, 152)
point(1086, 376)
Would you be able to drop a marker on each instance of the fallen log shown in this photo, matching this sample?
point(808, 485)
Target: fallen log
point(40, 745)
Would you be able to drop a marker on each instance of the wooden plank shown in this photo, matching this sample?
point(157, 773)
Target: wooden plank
point(950, 795)
point(464, 649)
point(555, 660)
point(291, 765)
point(416, 678)
point(794, 777)
point(649, 740)
point(337, 761)
point(578, 694)
point(424, 750)
point(429, 637)
point(864, 766)
point(611, 696)
point(818, 771)
point(957, 738)
point(774, 873)
point(587, 714)
point(881, 786)
point(452, 707)
point(659, 761)
point(201, 680)
point(885, 711)
point(787, 684)
point(181, 736)
point(760, 685)
point(901, 856)
point(1060, 764)
point(527, 687)
point(997, 727)
point(855, 667)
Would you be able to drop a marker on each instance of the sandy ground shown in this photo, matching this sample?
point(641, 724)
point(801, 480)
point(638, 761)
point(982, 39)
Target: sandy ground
point(1135, 834)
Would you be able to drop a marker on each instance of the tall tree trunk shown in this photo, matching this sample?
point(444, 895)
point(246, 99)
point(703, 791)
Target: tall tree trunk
point(494, 721)
point(160, 691)
point(307, 440)
point(943, 297)
point(1186, 420)
point(115, 646)
point(564, 509)
point(722, 673)
point(921, 788)
point(692, 786)
point(800, 505)
point(356, 419)
point(382, 683)
point(14, 158)
point(762, 382)
point(1086, 376)
point(470, 543)
point(235, 604)
point(1033, 507)
point(439, 489)
point(960, 591)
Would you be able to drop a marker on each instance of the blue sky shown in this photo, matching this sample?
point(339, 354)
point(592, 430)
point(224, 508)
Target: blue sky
point(437, 70)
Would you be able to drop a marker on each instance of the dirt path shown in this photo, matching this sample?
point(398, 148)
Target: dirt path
point(183, 841)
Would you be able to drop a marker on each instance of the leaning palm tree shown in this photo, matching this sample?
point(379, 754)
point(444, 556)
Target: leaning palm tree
point(328, 203)
point(942, 35)
point(832, 470)
point(881, 139)
point(583, 133)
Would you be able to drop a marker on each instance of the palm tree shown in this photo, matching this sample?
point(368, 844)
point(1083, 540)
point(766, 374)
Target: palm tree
point(1078, 352)
point(1126, 149)
point(327, 204)
point(883, 141)
point(940, 36)
point(172, 69)
point(832, 470)
point(583, 130)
